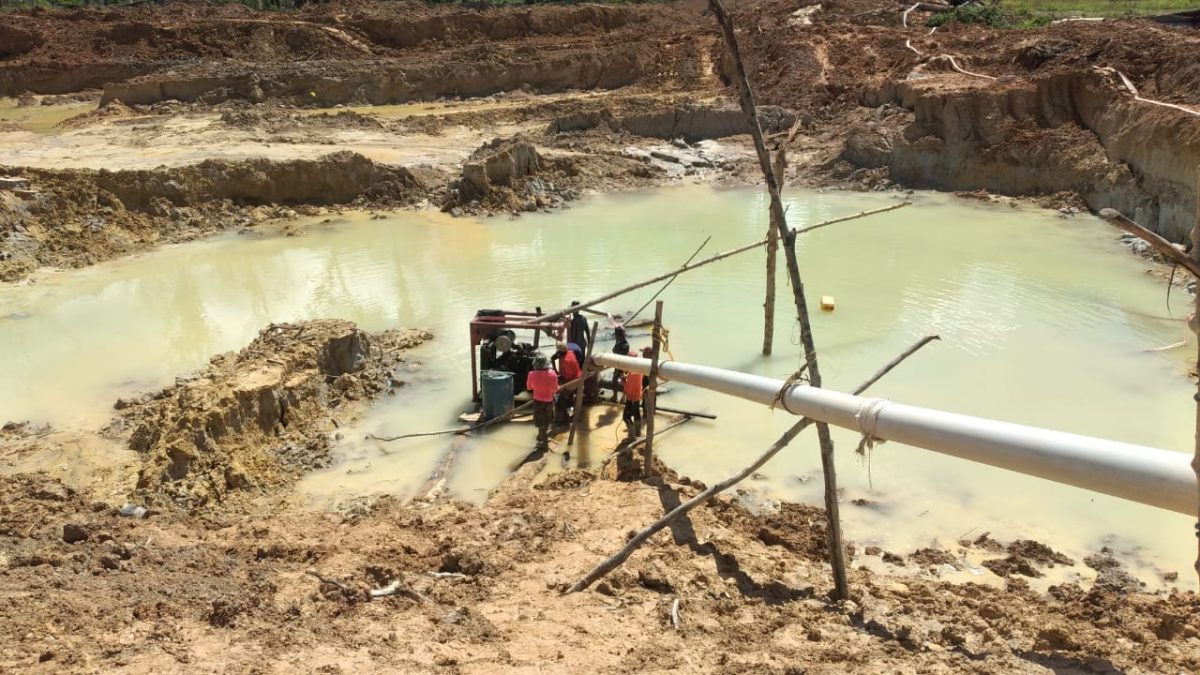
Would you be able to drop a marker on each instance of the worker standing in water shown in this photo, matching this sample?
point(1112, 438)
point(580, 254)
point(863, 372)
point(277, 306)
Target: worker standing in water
point(635, 387)
point(543, 382)
point(568, 369)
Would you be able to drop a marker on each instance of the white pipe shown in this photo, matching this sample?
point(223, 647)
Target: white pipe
point(1139, 473)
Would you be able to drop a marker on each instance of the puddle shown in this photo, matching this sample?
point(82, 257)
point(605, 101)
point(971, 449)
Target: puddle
point(1044, 320)
point(40, 119)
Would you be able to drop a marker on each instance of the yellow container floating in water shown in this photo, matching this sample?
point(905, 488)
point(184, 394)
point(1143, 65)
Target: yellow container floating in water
point(827, 303)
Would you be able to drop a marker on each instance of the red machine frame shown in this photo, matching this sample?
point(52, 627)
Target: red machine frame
point(482, 326)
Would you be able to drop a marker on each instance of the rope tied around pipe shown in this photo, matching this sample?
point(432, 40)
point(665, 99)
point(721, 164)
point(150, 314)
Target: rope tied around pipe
point(781, 396)
point(867, 417)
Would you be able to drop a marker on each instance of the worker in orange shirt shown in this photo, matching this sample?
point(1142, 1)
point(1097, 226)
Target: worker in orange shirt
point(635, 386)
point(543, 382)
point(568, 369)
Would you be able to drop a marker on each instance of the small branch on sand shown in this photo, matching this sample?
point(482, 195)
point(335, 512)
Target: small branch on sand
point(675, 614)
point(331, 582)
point(396, 588)
point(640, 538)
point(448, 575)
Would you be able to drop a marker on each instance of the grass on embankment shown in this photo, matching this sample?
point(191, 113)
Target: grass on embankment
point(1060, 8)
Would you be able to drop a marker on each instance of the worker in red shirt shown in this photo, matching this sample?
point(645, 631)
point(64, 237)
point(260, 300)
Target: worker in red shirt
point(543, 382)
point(635, 386)
point(568, 369)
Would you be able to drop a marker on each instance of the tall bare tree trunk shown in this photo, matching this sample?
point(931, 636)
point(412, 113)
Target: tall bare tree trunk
point(837, 554)
point(1196, 308)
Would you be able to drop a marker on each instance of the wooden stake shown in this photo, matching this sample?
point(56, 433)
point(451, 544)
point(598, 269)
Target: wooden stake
point(640, 538)
point(772, 257)
point(1196, 308)
point(837, 554)
point(652, 392)
point(587, 367)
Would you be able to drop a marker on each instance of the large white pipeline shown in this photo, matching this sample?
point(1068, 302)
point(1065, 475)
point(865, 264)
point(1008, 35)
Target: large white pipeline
point(1139, 473)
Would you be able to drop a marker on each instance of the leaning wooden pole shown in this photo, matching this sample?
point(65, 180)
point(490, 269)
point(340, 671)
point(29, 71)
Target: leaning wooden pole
point(1196, 308)
point(558, 314)
point(837, 554)
point(652, 390)
point(613, 562)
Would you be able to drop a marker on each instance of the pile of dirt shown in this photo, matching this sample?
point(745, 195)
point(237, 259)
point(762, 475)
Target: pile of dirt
point(478, 589)
point(254, 421)
point(509, 174)
point(363, 52)
point(76, 217)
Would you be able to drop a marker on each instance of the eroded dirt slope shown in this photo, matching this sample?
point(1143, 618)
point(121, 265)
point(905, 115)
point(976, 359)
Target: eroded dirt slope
point(478, 591)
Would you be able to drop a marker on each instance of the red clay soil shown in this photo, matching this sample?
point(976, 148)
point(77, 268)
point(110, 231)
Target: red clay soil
point(478, 590)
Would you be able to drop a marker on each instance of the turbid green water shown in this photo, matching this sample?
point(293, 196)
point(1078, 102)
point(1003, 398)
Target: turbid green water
point(1045, 321)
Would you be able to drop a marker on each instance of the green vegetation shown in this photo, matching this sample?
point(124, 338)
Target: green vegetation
point(1035, 13)
point(1064, 8)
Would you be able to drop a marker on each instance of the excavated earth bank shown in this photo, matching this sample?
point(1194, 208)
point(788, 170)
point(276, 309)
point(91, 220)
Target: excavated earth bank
point(226, 575)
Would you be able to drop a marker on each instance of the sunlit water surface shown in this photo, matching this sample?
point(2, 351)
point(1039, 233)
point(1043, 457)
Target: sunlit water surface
point(1044, 320)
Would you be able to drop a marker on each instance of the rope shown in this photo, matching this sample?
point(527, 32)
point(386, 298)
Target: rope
point(664, 345)
point(781, 395)
point(867, 417)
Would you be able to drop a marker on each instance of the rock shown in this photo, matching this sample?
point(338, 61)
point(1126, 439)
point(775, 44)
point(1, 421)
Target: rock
point(498, 163)
point(131, 510)
point(867, 147)
point(74, 532)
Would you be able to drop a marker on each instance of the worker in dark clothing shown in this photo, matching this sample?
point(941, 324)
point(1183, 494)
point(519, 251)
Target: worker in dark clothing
point(622, 348)
point(543, 382)
point(579, 332)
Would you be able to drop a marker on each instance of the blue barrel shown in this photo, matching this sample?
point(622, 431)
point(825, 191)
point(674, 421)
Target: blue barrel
point(497, 393)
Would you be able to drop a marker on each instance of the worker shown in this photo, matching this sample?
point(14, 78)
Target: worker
point(579, 333)
point(621, 348)
point(543, 382)
point(568, 369)
point(559, 351)
point(634, 387)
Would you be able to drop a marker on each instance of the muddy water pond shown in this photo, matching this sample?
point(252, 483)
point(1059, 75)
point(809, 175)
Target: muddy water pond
point(1044, 320)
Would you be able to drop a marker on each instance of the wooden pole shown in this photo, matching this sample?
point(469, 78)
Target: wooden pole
point(614, 561)
point(1196, 308)
point(1161, 246)
point(669, 282)
point(837, 554)
point(652, 391)
point(587, 366)
point(772, 258)
point(554, 316)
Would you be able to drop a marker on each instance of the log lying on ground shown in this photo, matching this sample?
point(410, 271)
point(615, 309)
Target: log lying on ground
point(1161, 246)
